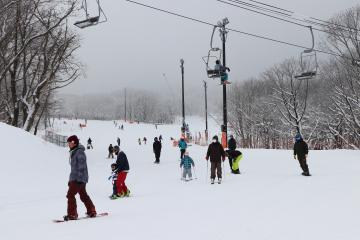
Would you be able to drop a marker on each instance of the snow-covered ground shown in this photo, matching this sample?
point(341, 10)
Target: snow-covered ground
point(269, 200)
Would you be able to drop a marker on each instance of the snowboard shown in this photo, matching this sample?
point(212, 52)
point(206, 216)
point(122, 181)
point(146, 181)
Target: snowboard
point(81, 218)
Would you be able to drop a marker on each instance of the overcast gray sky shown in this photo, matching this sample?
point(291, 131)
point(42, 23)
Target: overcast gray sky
point(137, 45)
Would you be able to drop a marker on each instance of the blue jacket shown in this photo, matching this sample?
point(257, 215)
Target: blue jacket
point(182, 144)
point(187, 161)
point(122, 163)
point(79, 171)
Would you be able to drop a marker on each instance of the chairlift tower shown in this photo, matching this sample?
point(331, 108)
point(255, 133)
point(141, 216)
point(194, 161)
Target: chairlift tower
point(223, 34)
point(183, 127)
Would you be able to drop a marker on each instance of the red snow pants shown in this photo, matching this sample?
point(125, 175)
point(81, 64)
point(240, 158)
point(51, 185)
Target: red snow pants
point(75, 188)
point(120, 183)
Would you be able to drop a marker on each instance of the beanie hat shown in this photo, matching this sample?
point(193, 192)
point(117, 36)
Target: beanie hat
point(73, 139)
point(215, 137)
point(116, 148)
point(298, 137)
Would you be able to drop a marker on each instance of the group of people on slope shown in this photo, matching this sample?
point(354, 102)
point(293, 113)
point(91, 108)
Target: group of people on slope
point(79, 174)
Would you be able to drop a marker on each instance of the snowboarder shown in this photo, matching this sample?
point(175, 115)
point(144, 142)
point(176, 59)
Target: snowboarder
point(301, 151)
point(232, 147)
point(111, 151)
point(118, 141)
point(122, 169)
point(157, 150)
point(222, 70)
point(182, 145)
point(186, 163)
point(235, 157)
point(89, 143)
point(144, 140)
point(113, 178)
point(216, 153)
point(78, 180)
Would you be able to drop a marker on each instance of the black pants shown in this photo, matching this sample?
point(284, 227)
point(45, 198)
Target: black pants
point(157, 157)
point(182, 152)
point(303, 164)
point(215, 169)
point(114, 188)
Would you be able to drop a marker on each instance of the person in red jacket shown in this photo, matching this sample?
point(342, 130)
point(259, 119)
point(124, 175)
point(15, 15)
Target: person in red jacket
point(216, 153)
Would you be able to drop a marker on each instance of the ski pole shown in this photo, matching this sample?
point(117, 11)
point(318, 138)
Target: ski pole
point(195, 177)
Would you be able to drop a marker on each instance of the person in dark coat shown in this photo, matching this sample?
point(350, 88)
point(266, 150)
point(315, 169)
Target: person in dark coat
point(89, 143)
point(111, 151)
point(118, 141)
point(231, 148)
point(216, 153)
point(78, 180)
point(301, 151)
point(157, 149)
point(122, 169)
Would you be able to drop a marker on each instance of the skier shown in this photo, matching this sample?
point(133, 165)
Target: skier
point(118, 141)
point(89, 143)
point(216, 153)
point(122, 169)
point(144, 140)
point(122, 127)
point(301, 151)
point(139, 141)
point(182, 145)
point(111, 151)
point(232, 147)
point(113, 178)
point(186, 163)
point(235, 156)
point(157, 150)
point(78, 180)
point(222, 70)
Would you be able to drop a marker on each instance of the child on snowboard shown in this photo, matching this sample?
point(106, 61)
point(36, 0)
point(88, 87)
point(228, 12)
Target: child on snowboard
point(186, 163)
point(113, 178)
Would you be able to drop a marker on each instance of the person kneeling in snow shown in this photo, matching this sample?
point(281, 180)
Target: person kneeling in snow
point(186, 163)
point(113, 178)
point(122, 169)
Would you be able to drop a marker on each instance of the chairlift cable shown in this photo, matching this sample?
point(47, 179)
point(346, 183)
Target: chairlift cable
point(239, 31)
point(279, 18)
point(317, 19)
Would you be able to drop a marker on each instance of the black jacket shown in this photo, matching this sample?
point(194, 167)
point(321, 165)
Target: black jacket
point(232, 144)
point(215, 152)
point(301, 149)
point(157, 146)
point(122, 163)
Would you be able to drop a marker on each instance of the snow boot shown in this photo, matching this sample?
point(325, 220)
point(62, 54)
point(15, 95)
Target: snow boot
point(127, 194)
point(212, 181)
point(69, 217)
point(91, 214)
point(307, 174)
point(219, 181)
point(113, 197)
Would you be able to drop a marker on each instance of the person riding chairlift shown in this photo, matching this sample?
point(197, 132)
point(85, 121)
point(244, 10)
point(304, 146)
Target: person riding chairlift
point(222, 72)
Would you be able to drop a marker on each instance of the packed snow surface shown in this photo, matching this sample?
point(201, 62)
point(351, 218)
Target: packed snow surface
point(269, 200)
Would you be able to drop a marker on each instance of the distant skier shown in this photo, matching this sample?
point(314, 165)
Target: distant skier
point(182, 145)
point(160, 138)
point(89, 143)
point(122, 127)
point(78, 180)
point(231, 147)
point(118, 141)
point(113, 178)
point(157, 150)
point(301, 151)
point(122, 169)
point(139, 141)
point(186, 163)
point(222, 71)
point(111, 151)
point(144, 140)
point(216, 153)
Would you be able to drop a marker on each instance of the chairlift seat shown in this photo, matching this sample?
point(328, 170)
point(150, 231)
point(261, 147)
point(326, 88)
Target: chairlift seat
point(215, 73)
point(306, 75)
point(87, 22)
